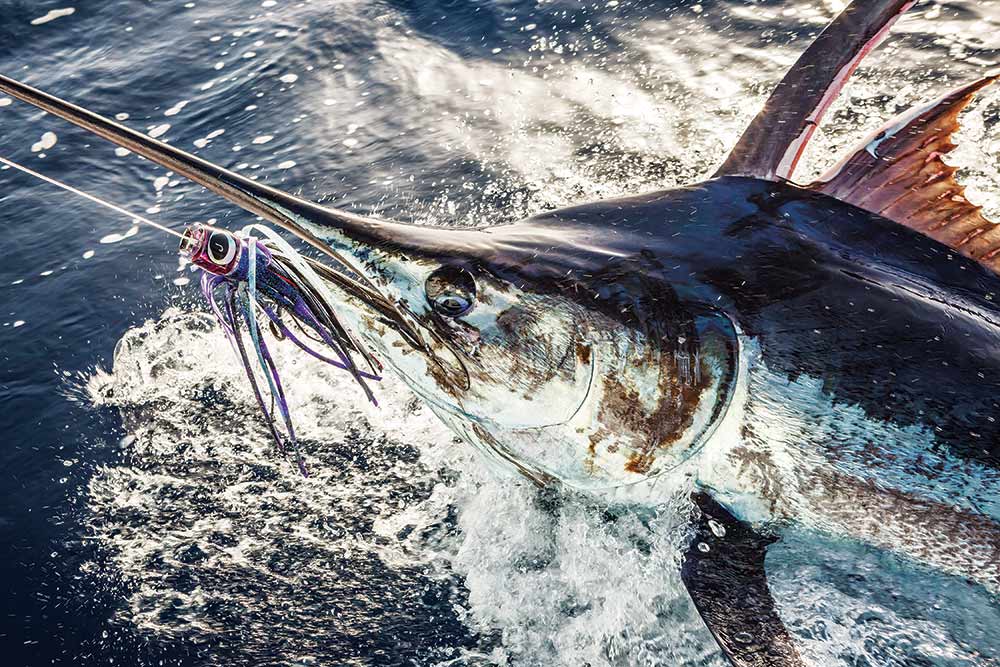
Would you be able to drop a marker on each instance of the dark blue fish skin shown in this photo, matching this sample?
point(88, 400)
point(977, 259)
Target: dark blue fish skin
point(890, 320)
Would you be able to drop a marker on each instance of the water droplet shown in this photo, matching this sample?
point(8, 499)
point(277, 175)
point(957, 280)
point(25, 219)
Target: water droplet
point(176, 109)
point(53, 15)
point(47, 141)
point(159, 130)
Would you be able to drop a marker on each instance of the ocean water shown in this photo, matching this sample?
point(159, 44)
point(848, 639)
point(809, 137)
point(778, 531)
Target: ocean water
point(144, 517)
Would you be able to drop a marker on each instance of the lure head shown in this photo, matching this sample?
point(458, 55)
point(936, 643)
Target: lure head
point(217, 251)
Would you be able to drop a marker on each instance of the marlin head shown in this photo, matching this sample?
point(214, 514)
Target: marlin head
point(561, 368)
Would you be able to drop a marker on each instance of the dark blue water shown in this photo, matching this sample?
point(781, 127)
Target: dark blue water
point(139, 522)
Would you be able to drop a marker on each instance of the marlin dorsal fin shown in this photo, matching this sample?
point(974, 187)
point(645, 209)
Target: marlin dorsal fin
point(898, 173)
point(773, 143)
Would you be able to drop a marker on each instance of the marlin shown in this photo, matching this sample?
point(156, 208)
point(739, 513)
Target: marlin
point(825, 354)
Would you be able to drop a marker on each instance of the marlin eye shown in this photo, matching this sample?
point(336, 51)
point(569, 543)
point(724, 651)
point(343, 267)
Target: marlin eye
point(221, 248)
point(451, 291)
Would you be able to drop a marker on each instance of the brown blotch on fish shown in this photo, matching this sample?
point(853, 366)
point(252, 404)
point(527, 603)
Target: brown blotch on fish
point(652, 431)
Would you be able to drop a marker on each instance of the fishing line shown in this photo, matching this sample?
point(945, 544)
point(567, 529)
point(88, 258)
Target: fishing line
point(92, 198)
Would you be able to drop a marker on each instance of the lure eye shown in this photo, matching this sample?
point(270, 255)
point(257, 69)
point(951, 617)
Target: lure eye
point(221, 248)
point(451, 291)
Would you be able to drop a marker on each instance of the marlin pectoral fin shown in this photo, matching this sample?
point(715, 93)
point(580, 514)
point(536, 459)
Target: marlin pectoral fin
point(269, 203)
point(898, 173)
point(773, 143)
point(723, 571)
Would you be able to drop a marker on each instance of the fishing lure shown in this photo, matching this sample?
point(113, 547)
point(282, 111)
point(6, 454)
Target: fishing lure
point(248, 280)
point(266, 279)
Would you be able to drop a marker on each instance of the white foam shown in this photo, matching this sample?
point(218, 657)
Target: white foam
point(263, 139)
point(5, 101)
point(563, 586)
point(287, 164)
point(289, 78)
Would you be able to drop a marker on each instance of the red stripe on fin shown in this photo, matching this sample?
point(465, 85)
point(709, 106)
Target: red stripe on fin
point(898, 173)
point(773, 143)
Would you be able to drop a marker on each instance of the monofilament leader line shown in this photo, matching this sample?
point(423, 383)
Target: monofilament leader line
point(92, 198)
point(265, 280)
